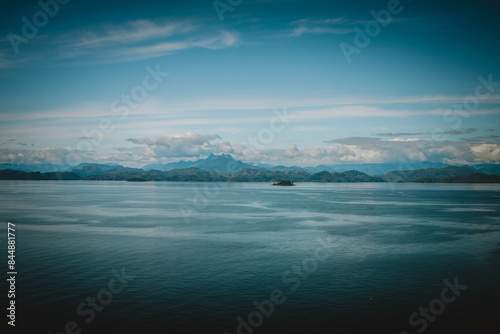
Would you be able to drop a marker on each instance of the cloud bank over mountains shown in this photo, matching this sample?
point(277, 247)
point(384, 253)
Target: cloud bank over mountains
point(193, 146)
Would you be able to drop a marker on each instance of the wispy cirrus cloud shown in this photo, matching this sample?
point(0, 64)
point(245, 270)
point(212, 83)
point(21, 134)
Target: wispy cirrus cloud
point(332, 26)
point(8, 61)
point(216, 41)
point(354, 111)
point(142, 39)
point(131, 31)
point(354, 106)
point(402, 139)
point(449, 132)
point(114, 43)
point(335, 26)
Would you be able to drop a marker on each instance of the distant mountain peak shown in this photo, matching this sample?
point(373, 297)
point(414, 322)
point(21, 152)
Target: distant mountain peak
point(223, 156)
point(223, 163)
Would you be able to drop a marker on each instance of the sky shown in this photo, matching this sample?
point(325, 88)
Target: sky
point(283, 82)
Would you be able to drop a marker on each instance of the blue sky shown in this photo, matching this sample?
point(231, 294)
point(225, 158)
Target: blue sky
point(160, 81)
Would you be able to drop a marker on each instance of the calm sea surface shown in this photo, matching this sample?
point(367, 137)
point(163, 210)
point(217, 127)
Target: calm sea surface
point(208, 257)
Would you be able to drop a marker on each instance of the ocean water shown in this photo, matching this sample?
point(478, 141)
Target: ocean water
point(252, 258)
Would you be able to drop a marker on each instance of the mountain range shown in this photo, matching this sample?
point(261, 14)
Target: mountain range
point(103, 172)
point(226, 168)
point(226, 164)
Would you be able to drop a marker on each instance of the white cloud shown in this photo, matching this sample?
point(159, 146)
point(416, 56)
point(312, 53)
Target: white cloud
point(486, 152)
point(180, 145)
point(191, 145)
point(49, 155)
point(401, 139)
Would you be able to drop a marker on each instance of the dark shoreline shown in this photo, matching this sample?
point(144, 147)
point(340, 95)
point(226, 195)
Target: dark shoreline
point(450, 174)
